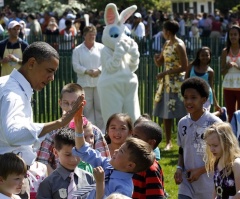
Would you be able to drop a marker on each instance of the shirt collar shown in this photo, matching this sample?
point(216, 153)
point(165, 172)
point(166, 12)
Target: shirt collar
point(121, 175)
point(200, 121)
point(23, 83)
point(63, 172)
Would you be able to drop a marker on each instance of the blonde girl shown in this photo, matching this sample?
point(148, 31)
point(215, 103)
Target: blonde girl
point(222, 156)
point(118, 128)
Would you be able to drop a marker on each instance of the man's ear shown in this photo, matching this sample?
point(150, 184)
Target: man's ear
point(55, 152)
point(30, 62)
point(1, 180)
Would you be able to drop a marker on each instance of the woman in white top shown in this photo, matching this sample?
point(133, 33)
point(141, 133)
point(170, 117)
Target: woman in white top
point(230, 67)
point(138, 28)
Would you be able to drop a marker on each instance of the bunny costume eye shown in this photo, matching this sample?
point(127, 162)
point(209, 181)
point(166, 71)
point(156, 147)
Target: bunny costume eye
point(114, 32)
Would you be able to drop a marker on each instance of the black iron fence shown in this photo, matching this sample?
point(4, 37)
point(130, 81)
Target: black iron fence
point(45, 103)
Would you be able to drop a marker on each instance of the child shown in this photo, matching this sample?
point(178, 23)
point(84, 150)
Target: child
point(146, 117)
point(133, 156)
point(149, 183)
point(56, 185)
point(118, 128)
point(200, 68)
point(117, 196)
point(191, 174)
point(69, 95)
point(89, 137)
point(35, 175)
point(12, 173)
point(222, 156)
point(235, 123)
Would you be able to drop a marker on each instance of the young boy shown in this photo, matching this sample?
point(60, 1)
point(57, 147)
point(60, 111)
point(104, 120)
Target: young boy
point(12, 173)
point(149, 184)
point(133, 156)
point(69, 95)
point(191, 174)
point(57, 184)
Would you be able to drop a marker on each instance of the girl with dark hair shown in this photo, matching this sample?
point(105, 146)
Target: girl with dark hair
point(200, 68)
point(230, 67)
point(118, 129)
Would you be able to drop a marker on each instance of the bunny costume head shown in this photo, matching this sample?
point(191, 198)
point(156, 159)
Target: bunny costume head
point(115, 28)
point(118, 84)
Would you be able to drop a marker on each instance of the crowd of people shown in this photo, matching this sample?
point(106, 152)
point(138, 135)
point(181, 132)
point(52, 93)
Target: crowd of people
point(82, 154)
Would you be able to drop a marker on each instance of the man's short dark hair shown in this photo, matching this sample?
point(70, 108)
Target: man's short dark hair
point(41, 51)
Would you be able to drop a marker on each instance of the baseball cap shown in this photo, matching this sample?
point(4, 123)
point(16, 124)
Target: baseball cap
point(13, 23)
point(138, 15)
point(70, 16)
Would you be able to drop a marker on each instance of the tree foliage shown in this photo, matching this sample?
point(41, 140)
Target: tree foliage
point(225, 6)
point(90, 5)
point(164, 5)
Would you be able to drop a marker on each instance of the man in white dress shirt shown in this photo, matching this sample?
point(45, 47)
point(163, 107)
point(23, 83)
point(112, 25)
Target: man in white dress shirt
point(18, 132)
point(87, 64)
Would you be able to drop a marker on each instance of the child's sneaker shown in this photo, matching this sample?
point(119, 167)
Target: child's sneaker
point(224, 116)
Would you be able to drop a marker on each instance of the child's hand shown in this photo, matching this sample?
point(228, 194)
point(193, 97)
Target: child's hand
point(78, 120)
point(178, 176)
point(98, 174)
point(194, 174)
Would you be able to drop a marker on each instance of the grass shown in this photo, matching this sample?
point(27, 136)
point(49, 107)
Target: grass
point(168, 163)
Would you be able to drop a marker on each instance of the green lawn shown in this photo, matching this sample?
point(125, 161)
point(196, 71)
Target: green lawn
point(168, 163)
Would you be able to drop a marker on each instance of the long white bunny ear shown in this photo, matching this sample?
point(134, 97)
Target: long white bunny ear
point(125, 14)
point(111, 15)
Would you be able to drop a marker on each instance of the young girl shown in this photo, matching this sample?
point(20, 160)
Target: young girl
point(222, 156)
point(200, 68)
point(118, 128)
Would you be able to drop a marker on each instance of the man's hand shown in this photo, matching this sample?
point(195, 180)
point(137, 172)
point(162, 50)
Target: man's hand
point(67, 117)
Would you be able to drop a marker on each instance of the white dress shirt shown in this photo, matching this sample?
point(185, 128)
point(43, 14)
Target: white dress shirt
point(18, 133)
point(84, 59)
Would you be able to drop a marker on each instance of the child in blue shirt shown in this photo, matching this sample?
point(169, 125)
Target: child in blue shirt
point(133, 156)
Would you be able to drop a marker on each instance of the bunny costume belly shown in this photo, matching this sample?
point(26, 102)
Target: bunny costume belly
point(117, 87)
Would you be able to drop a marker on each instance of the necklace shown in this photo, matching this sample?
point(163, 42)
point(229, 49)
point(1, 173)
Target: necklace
point(219, 189)
point(234, 57)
